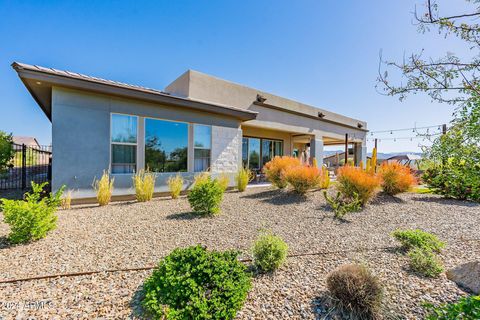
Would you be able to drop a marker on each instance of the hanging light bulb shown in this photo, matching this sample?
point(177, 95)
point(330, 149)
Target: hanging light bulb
point(391, 132)
point(394, 140)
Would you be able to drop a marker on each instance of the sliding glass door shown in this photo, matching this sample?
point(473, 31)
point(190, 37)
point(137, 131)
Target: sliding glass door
point(256, 151)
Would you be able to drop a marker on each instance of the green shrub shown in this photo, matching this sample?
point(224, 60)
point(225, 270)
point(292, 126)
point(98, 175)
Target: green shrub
point(342, 206)
point(465, 308)
point(269, 252)
point(356, 291)
point(425, 262)
point(411, 239)
point(242, 178)
point(205, 196)
point(193, 283)
point(6, 151)
point(33, 218)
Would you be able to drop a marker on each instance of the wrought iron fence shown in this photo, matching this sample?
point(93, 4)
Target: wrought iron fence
point(29, 163)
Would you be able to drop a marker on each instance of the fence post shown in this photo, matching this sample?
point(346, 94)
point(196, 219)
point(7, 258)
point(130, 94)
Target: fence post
point(24, 166)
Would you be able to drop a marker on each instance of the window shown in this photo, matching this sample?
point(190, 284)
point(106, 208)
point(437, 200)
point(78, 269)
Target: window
point(252, 148)
point(202, 137)
point(124, 143)
point(166, 145)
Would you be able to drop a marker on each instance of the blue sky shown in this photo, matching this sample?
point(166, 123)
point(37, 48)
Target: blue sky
point(323, 53)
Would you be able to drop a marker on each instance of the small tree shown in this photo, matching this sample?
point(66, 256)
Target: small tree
point(6, 150)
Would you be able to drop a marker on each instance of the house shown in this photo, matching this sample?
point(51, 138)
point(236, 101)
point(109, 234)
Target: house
point(197, 123)
point(28, 141)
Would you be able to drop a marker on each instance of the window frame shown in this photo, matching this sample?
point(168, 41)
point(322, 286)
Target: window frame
point(167, 120)
point(124, 143)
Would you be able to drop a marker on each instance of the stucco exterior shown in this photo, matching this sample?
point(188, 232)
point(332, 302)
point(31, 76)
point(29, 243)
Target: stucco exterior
point(81, 107)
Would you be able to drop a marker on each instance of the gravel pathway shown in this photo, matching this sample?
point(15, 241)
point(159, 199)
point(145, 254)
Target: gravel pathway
point(129, 234)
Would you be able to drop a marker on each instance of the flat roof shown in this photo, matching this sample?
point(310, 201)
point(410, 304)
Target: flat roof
point(40, 80)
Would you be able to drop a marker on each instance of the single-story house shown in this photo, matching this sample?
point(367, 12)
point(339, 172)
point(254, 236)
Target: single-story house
point(28, 141)
point(198, 122)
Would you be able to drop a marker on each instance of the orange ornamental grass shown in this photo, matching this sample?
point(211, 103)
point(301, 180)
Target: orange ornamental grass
point(275, 169)
point(355, 181)
point(396, 178)
point(303, 178)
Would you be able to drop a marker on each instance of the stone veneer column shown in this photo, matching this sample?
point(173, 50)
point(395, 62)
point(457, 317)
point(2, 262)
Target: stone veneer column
point(226, 149)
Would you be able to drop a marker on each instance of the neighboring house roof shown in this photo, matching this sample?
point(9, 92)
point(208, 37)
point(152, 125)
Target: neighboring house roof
point(40, 80)
point(28, 141)
point(408, 157)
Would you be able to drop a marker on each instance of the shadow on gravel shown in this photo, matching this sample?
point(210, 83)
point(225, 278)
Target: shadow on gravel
point(4, 243)
point(185, 216)
point(136, 304)
point(276, 197)
point(384, 198)
point(322, 307)
point(439, 200)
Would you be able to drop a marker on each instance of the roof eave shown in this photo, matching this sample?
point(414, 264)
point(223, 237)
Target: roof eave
point(63, 81)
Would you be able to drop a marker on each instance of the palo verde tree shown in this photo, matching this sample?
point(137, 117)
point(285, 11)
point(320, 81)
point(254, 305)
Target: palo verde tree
point(448, 79)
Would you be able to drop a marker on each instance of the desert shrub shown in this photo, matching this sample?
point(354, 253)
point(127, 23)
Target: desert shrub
point(33, 218)
point(455, 179)
point(352, 180)
point(205, 196)
point(341, 206)
point(193, 283)
point(104, 188)
point(425, 262)
point(242, 178)
point(269, 251)
point(175, 185)
point(325, 180)
point(224, 180)
point(6, 151)
point(396, 178)
point(275, 169)
point(66, 200)
point(411, 239)
point(355, 290)
point(465, 308)
point(201, 177)
point(303, 178)
point(144, 184)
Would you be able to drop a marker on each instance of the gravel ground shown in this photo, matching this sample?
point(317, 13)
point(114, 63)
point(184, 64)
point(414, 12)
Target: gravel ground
point(129, 234)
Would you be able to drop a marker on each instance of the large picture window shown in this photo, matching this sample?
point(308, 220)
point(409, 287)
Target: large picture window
point(123, 143)
point(166, 145)
point(256, 152)
point(202, 136)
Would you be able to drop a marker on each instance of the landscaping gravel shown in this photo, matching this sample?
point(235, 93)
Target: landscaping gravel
point(130, 234)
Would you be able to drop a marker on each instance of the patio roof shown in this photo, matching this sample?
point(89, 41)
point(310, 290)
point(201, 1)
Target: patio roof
point(40, 80)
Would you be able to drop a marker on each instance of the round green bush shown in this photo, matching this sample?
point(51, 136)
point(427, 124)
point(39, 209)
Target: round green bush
point(269, 252)
point(206, 196)
point(193, 283)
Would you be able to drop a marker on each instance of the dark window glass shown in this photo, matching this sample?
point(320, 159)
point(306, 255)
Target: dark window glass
point(245, 152)
point(278, 148)
point(254, 153)
point(124, 158)
point(202, 160)
point(267, 150)
point(166, 145)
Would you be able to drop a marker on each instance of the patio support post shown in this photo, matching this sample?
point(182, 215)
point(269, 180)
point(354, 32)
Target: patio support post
point(316, 150)
point(360, 153)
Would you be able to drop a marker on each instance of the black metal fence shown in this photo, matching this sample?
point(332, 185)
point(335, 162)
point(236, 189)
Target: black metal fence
point(30, 163)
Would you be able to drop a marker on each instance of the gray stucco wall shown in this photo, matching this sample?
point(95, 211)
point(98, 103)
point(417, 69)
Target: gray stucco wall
point(81, 139)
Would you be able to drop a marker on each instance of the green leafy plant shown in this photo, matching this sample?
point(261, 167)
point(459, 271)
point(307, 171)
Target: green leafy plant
point(243, 177)
point(465, 308)
point(356, 291)
point(425, 262)
point(193, 283)
point(33, 218)
point(144, 183)
point(269, 251)
point(175, 185)
point(206, 196)
point(341, 206)
point(6, 151)
point(411, 239)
